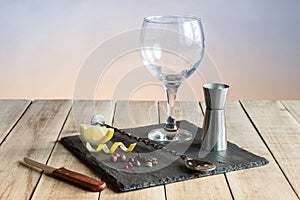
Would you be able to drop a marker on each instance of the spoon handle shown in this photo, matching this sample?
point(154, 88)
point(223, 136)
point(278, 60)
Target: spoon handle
point(146, 141)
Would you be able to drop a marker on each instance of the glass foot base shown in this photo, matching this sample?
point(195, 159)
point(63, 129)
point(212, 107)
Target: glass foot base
point(161, 135)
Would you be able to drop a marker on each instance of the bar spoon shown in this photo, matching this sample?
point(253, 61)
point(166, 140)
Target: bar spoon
point(190, 163)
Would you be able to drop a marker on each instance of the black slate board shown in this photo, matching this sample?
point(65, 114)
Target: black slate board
point(169, 168)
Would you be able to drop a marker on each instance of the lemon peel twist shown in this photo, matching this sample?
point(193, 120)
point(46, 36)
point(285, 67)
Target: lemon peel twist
point(112, 149)
point(98, 136)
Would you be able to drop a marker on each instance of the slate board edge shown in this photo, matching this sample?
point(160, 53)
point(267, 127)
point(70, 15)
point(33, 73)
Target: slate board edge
point(89, 160)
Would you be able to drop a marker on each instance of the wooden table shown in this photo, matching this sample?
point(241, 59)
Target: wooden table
point(33, 128)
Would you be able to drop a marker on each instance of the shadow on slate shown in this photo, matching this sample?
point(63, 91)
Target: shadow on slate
point(169, 168)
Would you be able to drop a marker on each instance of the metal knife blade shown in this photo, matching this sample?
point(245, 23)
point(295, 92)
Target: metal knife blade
point(71, 176)
point(39, 165)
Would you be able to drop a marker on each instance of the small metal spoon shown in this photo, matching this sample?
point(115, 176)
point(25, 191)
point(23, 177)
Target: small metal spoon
point(190, 163)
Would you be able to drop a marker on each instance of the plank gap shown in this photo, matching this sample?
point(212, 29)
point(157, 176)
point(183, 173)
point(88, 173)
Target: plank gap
point(99, 193)
point(201, 108)
point(165, 189)
point(265, 143)
point(230, 190)
point(291, 113)
point(36, 185)
point(114, 113)
point(256, 129)
point(3, 140)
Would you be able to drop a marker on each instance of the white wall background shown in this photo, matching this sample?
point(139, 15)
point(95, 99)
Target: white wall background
point(43, 44)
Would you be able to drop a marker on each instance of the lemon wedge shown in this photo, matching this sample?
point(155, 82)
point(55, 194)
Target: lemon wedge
point(95, 134)
point(98, 136)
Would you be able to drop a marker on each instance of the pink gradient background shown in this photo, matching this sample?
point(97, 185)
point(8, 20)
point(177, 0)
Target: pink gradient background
point(255, 45)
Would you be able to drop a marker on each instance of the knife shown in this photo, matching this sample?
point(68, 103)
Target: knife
point(71, 176)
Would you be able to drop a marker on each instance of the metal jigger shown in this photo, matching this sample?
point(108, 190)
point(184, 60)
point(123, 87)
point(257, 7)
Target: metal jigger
point(214, 135)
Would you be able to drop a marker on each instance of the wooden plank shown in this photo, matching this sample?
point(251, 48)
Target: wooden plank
point(34, 136)
point(293, 106)
point(81, 112)
point(266, 182)
point(281, 132)
point(214, 187)
point(10, 112)
point(132, 114)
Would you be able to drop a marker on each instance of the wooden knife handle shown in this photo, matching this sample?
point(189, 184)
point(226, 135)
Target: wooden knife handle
point(79, 179)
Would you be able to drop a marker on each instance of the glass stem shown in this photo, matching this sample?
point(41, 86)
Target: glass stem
point(171, 91)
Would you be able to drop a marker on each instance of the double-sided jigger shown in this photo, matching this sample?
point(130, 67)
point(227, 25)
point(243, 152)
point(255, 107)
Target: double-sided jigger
point(214, 134)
